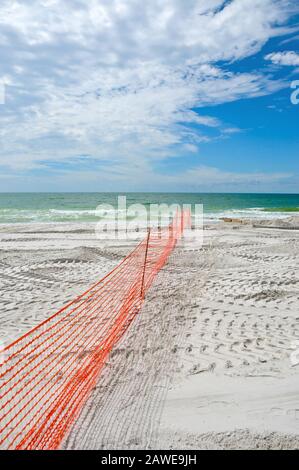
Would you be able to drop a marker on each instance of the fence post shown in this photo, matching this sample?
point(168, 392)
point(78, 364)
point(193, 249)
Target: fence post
point(144, 265)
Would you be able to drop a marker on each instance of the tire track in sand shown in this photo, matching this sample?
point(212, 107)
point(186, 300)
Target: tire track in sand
point(124, 410)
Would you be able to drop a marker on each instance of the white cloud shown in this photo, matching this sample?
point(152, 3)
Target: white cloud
point(204, 174)
point(133, 113)
point(141, 177)
point(119, 79)
point(195, 31)
point(290, 58)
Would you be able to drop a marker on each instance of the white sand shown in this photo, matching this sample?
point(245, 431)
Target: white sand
point(44, 266)
point(206, 364)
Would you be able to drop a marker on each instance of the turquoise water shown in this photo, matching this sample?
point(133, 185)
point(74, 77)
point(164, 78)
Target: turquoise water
point(67, 207)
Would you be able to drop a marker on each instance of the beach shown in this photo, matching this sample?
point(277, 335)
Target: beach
point(149, 229)
point(207, 362)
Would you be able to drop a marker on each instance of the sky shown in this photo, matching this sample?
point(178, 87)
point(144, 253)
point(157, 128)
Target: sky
point(153, 95)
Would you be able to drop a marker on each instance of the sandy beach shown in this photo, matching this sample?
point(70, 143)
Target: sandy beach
point(206, 364)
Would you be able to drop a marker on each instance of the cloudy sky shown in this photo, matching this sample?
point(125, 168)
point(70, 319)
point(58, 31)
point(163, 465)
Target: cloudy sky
point(156, 95)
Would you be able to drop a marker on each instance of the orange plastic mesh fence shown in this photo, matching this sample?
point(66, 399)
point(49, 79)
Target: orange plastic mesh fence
point(47, 374)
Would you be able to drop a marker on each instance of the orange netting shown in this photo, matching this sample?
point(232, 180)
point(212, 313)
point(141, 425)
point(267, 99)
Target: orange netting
point(47, 374)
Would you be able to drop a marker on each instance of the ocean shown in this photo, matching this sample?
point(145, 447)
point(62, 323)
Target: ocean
point(81, 207)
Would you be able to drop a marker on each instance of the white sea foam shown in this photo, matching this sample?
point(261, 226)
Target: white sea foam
point(250, 213)
point(68, 215)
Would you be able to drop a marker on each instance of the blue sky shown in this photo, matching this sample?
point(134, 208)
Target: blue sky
point(164, 95)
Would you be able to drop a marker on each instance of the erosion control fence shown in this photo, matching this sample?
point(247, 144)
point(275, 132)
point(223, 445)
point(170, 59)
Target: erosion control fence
point(47, 374)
